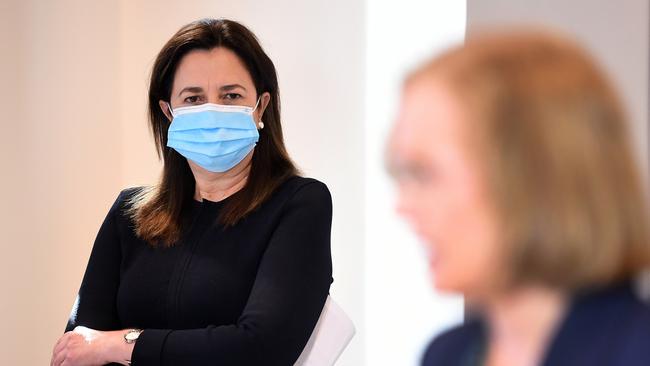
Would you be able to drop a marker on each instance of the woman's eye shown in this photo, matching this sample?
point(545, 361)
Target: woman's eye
point(232, 96)
point(417, 174)
point(192, 99)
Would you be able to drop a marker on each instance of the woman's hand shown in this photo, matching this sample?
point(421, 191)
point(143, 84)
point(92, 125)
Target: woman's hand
point(88, 347)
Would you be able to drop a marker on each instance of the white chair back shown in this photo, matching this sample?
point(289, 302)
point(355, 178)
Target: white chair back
point(330, 337)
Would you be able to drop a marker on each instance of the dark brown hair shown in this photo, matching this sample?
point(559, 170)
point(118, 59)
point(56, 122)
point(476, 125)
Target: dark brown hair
point(555, 148)
point(158, 211)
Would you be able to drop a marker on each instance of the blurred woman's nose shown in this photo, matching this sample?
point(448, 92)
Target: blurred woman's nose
point(404, 203)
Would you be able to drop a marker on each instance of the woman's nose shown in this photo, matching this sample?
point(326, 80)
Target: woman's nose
point(404, 204)
point(213, 98)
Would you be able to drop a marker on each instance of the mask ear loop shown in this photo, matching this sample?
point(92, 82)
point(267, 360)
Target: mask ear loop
point(260, 124)
point(256, 104)
point(169, 106)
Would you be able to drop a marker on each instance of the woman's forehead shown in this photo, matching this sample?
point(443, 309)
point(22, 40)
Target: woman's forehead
point(211, 69)
point(431, 125)
point(429, 110)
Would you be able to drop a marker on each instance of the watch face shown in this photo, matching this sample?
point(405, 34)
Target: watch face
point(132, 335)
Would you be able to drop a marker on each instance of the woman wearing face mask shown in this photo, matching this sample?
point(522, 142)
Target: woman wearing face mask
point(514, 166)
point(226, 261)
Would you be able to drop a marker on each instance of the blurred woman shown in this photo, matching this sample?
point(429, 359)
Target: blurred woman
point(226, 261)
point(514, 166)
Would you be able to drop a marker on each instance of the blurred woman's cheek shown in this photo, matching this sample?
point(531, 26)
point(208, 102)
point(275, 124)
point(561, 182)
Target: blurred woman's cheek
point(460, 234)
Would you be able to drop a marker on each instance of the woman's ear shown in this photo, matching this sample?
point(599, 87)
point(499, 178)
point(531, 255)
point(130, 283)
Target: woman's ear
point(265, 98)
point(164, 106)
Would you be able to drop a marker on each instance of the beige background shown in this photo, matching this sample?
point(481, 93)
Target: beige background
point(74, 77)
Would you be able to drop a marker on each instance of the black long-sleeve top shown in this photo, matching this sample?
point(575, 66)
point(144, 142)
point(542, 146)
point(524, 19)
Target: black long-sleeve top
point(249, 294)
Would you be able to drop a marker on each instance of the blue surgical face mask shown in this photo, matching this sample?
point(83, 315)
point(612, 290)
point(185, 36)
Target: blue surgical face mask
point(214, 136)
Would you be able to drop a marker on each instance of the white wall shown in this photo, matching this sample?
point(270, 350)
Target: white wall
point(402, 309)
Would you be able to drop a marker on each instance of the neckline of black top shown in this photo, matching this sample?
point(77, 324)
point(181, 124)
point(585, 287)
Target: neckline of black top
point(206, 203)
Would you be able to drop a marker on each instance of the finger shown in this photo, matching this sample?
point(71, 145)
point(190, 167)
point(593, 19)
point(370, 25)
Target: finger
point(63, 341)
point(59, 358)
point(58, 341)
point(67, 341)
point(54, 352)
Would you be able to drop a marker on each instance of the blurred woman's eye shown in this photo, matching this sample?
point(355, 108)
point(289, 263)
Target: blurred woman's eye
point(423, 176)
point(193, 99)
point(420, 176)
point(414, 174)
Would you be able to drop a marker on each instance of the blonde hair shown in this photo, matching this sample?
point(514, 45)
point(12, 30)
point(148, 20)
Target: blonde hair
point(553, 141)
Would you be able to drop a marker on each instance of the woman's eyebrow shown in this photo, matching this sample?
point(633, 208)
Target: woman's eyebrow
point(231, 87)
point(192, 89)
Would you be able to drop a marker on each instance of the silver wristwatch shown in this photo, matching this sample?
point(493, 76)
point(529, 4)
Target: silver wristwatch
point(132, 335)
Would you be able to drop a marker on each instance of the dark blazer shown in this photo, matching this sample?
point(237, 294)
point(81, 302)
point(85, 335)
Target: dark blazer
point(609, 327)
